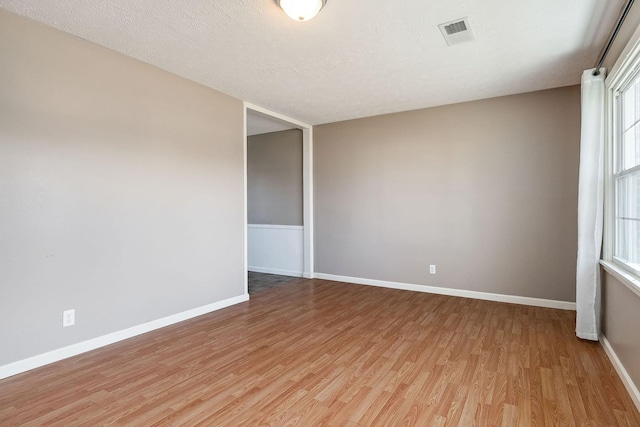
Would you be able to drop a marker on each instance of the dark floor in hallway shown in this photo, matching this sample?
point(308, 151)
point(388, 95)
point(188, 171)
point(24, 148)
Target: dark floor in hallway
point(262, 281)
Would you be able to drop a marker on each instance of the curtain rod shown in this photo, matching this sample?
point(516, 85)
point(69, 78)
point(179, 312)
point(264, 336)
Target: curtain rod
point(612, 38)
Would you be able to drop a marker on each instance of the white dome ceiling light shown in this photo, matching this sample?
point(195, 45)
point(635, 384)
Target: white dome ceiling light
point(301, 10)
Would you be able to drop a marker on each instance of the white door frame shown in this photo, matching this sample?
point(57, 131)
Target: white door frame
point(307, 187)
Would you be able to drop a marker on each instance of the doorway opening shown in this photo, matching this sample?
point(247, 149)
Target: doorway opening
point(278, 201)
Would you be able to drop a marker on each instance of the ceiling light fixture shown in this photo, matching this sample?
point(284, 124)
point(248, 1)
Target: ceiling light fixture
point(301, 10)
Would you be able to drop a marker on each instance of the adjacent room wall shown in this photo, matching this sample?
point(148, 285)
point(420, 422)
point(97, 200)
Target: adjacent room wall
point(121, 191)
point(274, 178)
point(485, 190)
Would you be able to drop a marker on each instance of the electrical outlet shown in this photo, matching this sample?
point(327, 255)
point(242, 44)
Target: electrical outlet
point(68, 318)
point(432, 269)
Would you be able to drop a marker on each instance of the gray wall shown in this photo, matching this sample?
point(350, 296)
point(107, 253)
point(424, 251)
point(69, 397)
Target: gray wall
point(620, 307)
point(121, 191)
point(620, 322)
point(274, 178)
point(485, 190)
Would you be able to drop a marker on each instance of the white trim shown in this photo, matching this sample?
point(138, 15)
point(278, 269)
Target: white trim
point(624, 277)
point(276, 271)
point(307, 183)
point(622, 372)
point(245, 197)
point(94, 343)
point(536, 302)
point(276, 227)
point(262, 110)
point(623, 59)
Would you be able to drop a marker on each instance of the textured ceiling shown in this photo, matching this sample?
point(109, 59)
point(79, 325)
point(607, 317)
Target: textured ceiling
point(357, 58)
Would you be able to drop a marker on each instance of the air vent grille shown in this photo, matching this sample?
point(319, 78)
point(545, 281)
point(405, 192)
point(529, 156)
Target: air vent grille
point(456, 27)
point(457, 31)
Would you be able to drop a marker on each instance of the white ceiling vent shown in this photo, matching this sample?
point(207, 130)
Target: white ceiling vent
point(458, 31)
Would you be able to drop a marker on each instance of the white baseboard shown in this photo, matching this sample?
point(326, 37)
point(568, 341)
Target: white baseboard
point(94, 343)
point(536, 302)
point(276, 271)
point(622, 372)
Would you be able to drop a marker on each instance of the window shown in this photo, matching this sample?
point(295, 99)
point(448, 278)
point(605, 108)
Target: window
point(626, 174)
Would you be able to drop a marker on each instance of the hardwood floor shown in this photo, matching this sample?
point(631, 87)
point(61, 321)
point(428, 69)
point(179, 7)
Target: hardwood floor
point(319, 353)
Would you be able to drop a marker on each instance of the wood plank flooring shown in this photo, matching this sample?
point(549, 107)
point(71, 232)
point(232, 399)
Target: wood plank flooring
point(319, 353)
